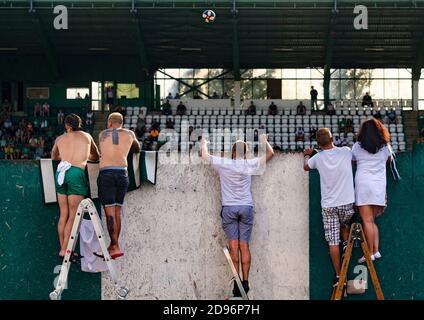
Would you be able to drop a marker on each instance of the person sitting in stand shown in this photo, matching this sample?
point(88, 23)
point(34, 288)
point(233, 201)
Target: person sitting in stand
point(367, 100)
point(169, 96)
point(349, 125)
point(177, 96)
point(196, 95)
point(225, 95)
point(169, 123)
point(342, 125)
point(330, 110)
point(166, 108)
point(251, 111)
point(181, 109)
point(272, 109)
point(313, 134)
point(215, 95)
point(301, 109)
point(37, 109)
point(300, 135)
point(391, 117)
point(46, 109)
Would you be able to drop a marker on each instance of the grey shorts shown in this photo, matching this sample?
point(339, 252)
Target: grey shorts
point(237, 222)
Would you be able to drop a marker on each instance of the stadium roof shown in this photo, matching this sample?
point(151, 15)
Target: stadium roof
point(262, 34)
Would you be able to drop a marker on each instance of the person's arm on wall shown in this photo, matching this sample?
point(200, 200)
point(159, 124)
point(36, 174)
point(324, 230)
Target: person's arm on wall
point(135, 146)
point(307, 154)
point(269, 151)
point(204, 150)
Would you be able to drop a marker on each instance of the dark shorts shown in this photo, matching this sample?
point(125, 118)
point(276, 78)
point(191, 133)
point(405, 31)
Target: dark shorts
point(237, 222)
point(112, 185)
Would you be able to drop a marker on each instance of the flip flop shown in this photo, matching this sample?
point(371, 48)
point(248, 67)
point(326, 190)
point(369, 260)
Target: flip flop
point(117, 255)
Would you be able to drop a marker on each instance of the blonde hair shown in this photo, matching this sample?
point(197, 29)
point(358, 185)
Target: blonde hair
point(324, 137)
point(115, 118)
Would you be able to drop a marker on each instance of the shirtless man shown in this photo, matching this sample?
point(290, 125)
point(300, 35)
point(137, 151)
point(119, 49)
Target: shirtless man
point(74, 148)
point(115, 144)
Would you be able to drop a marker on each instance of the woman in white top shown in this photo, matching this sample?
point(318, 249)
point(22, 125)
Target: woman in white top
point(371, 154)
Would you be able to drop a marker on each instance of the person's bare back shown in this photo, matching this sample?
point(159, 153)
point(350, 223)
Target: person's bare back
point(76, 147)
point(114, 153)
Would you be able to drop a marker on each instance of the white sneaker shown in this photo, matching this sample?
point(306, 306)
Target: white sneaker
point(362, 260)
point(377, 255)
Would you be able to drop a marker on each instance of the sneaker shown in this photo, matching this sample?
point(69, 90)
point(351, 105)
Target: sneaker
point(377, 255)
point(336, 281)
point(362, 260)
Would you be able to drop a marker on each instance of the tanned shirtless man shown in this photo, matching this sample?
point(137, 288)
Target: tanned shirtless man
point(74, 148)
point(115, 144)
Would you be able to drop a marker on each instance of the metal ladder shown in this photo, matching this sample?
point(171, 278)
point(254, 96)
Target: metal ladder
point(86, 205)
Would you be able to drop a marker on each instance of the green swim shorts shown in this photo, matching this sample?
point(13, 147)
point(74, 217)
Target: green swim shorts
point(75, 182)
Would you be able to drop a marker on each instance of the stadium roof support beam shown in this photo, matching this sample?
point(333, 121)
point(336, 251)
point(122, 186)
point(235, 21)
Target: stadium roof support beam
point(236, 46)
point(142, 53)
point(329, 54)
point(46, 43)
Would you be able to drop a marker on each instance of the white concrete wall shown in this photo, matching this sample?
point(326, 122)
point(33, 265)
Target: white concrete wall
point(172, 236)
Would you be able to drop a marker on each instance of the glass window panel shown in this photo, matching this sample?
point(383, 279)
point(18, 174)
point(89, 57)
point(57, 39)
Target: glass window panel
point(391, 73)
point(317, 73)
point(391, 89)
point(335, 73)
point(288, 89)
point(303, 89)
point(201, 73)
point(377, 73)
point(273, 73)
point(377, 88)
point(229, 87)
point(172, 72)
point(421, 105)
point(289, 73)
point(77, 93)
point(303, 73)
point(184, 88)
point(215, 72)
point(186, 73)
point(170, 86)
point(335, 89)
point(203, 88)
point(362, 73)
point(246, 89)
point(405, 89)
point(247, 73)
point(361, 87)
point(421, 89)
point(259, 89)
point(216, 86)
point(405, 73)
point(127, 90)
point(347, 73)
point(347, 89)
point(259, 73)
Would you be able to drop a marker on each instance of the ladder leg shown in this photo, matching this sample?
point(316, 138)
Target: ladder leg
point(122, 291)
point(235, 274)
point(66, 264)
point(370, 264)
point(338, 290)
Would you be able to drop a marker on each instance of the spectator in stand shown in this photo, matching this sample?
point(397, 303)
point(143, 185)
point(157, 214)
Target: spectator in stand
point(225, 95)
point(330, 110)
point(33, 143)
point(78, 96)
point(349, 125)
point(2, 154)
point(45, 109)
point(121, 110)
point(367, 100)
point(89, 120)
point(8, 150)
point(177, 96)
point(60, 117)
point(251, 111)
point(166, 108)
point(391, 117)
point(36, 125)
point(272, 109)
point(8, 125)
point(301, 109)
point(169, 96)
point(337, 141)
point(37, 109)
point(313, 134)
point(314, 98)
point(109, 96)
point(44, 124)
point(215, 95)
point(342, 125)
point(181, 109)
point(196, 95)
point(169, 123)
point(300, 135)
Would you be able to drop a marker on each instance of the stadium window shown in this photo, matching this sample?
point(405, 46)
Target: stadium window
point(184, 88)
point(391, 89)
point(289, 73)
point(172, 72)
point(303, 74)
point(288, 89)
point(259, 89)
point(405, 73)
point(247, 73)
point(405, 90)
point(169, 86)
point(127, 91)
point(214, 72)
point(38, 93)
point(229, 87)
point(377, 88)
point(303, 89)
point(317, 73)
point(347, 89)
point(186, 73)
point(77, 93)
point(246, 89)
point(215, 86)
point(391, 73)
point(377, 73)
point(259, 73)
point(201, 73)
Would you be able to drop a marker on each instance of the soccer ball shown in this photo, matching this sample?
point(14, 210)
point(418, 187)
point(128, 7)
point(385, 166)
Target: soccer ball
point(208, 16)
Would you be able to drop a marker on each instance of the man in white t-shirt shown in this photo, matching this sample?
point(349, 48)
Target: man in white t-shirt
point(334, 165)
point(237, 204)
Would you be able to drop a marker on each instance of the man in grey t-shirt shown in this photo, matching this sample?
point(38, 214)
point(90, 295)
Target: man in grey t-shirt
point(237, 205)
